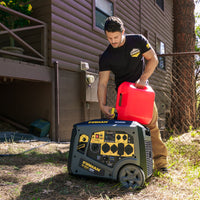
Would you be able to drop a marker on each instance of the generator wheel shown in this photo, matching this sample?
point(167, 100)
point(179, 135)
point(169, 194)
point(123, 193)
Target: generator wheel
point(131, 176)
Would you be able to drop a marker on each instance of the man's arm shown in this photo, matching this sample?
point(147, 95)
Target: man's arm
point(151, 63)
point(102, 92)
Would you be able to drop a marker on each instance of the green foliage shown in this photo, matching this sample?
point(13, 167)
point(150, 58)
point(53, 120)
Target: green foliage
point(190, 128)
point(12, 21)
point(157, 173)
point(184, 154)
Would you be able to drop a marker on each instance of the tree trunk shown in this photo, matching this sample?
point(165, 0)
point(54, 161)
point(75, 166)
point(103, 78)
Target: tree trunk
point(183, 79)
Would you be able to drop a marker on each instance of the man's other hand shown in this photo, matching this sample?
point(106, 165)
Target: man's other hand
point(107, 111)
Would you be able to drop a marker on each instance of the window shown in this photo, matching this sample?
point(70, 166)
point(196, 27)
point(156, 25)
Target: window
point(160, 3)
point(160, 49)
point(103, 9)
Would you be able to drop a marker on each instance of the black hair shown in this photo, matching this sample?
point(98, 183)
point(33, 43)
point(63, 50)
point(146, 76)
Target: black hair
point(113, 24)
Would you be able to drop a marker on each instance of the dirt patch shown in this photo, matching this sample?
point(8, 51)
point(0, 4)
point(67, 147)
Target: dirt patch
point(41, 174)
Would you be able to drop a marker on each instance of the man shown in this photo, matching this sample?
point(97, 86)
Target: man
point(125, 57)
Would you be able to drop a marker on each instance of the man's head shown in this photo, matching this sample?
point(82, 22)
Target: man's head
point(113, 24)
point(114, 30)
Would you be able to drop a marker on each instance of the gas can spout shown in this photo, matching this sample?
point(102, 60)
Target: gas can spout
point(114, 113)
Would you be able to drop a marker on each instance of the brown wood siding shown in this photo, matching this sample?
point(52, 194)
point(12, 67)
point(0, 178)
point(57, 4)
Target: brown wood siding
point(129, 12)
point(159, 24)
point(42, 11)
point(23, 70)
point(70, 103)
point(73, 39)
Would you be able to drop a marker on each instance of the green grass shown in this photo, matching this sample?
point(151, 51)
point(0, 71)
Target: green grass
point(185, 157)
point(42, 174)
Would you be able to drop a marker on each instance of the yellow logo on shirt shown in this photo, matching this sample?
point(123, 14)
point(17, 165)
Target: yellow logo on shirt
point(135, 52)
point(148, 45)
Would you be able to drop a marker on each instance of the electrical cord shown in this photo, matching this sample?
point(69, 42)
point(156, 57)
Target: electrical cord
point(4, 155)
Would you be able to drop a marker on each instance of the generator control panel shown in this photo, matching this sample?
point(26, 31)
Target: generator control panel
point(107, 146)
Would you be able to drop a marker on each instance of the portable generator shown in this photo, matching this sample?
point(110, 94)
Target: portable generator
point(111, 149)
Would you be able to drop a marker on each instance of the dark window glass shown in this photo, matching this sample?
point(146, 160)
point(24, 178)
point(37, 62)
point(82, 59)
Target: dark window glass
point(160, 4)
point(160, 49)
point(161, 63)
point(100, 19)
point(103, 9)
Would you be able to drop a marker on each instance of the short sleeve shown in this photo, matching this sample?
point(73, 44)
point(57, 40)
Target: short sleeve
point(145, 45)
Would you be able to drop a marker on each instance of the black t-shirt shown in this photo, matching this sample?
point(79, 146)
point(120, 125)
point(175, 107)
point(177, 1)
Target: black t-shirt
point(126, 62)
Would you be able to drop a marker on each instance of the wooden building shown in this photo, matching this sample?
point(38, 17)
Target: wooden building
point(71, 34)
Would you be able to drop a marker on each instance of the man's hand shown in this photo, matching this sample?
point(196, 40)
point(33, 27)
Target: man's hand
point(140, 84)
point(102, 93)
point(151, 63)
point(107, 111)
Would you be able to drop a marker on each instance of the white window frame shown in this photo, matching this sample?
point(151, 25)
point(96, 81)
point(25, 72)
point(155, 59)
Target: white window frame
point(161, 49)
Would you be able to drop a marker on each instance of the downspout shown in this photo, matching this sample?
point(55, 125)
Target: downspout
point(57, 119)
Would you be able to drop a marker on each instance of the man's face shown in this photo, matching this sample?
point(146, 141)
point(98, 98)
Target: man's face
point(116, 39)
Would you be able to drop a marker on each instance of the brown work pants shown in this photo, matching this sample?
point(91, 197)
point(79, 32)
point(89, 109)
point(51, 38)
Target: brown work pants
point(158, 147)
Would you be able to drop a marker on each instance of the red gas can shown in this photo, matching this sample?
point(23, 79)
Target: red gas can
point(135, 104)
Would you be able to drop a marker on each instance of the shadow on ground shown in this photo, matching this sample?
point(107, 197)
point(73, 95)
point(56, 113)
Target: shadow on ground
point(64, 186)
point(61, 186)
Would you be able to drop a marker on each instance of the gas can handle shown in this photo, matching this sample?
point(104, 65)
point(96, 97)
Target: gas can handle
point(143, 88)
point(120, 99)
